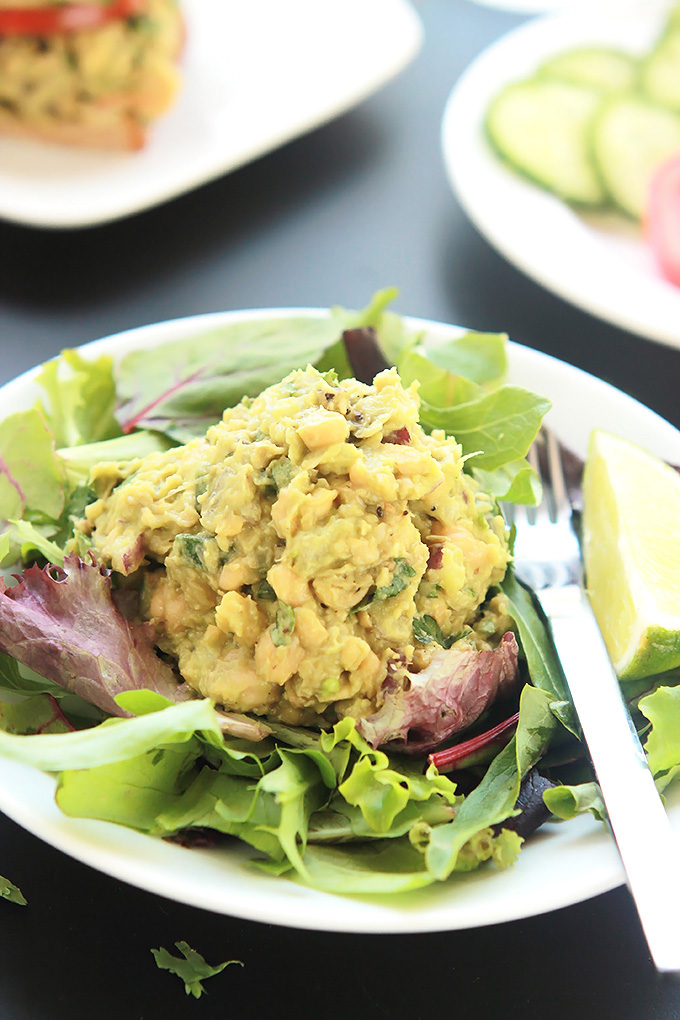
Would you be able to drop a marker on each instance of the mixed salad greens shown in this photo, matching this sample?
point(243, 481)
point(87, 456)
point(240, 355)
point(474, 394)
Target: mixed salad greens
point(84, 694)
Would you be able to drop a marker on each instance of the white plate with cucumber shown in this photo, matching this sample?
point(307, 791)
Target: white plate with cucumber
point(551, 138)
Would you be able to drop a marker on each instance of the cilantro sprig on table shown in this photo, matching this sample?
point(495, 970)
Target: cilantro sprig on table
point(11, 892)
point(190, 967)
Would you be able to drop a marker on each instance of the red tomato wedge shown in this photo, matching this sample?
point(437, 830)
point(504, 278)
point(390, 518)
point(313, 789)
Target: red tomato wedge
point(65, 18)
point(663, 219)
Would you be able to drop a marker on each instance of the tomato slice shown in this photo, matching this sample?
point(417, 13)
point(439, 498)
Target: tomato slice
point(65, 18)
point(662, 224)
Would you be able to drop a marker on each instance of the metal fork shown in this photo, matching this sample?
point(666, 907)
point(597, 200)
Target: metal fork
point(547, 557)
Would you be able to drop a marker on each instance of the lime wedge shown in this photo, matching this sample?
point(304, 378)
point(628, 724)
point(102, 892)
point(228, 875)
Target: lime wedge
point(631, 550)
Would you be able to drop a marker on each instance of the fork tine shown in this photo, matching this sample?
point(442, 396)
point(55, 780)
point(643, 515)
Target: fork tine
point(532, 456)
point(558, 486)
point(547, 554)
point(535, 463)
point(545, 457)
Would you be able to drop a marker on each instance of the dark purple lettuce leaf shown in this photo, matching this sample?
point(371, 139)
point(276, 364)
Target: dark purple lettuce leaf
point(64, 624)
point(364, 353)
point(531, 806)
point(447, 697)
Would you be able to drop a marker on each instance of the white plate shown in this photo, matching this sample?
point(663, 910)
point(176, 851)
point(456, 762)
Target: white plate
point(256, 74)
point(602, 265)
point(563, 864)
point(546, 6)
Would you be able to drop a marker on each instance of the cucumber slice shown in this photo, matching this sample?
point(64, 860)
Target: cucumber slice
point(673, 20)
point(660, 71)
point(542, 128)
point(631, 139)
point(594, 66)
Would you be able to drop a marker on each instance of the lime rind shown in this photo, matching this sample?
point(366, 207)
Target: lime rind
point(656, 650)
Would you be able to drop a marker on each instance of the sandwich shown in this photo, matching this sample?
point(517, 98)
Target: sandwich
point(91, 73)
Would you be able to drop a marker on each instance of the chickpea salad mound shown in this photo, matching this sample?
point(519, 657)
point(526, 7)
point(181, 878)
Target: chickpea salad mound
point(287, 558)
point(258, 584)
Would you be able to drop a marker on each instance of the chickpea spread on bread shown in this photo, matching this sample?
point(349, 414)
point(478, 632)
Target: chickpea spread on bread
point(97, 75)
point(288, 558)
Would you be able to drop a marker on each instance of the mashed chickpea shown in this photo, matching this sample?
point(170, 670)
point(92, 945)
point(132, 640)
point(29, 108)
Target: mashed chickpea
point(306, 546)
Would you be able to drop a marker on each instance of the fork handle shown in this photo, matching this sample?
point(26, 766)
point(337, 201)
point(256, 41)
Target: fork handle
point(638, 820)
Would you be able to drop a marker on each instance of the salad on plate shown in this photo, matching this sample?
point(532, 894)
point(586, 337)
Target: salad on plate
point(258, 585)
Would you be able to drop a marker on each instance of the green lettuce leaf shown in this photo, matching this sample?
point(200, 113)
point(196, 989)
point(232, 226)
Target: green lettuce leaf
point(437, 386)
point(343, 823)
point(272, 798)
point(379, 791)
point(398, 865)
point(142, 702)
point(494, 799)
point(191, 968)
point(299, 786)
point(502, 849)
point(662, 746)
point(479, 357)
point(514, 482)
point(181, 388)
point(21, 538)
point(51, 708)
point(542, 660)
point(376, 800)
point(78, 461)
point(21, 679)
point(150, 773)
point(79, 398)
point(271, 815)
point(31, 480)
point(377, 867)
point(215, 800)
point(113, 740)
point(133, 792)
point(382, 793)
point(372, 315)
point(167, 788)
point(568, 801)
point(497, 427)
point(461, 391)
point(77, 498)
point(38, 714)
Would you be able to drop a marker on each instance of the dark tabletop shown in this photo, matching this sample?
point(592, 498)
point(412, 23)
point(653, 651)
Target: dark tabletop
point(359, 204)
